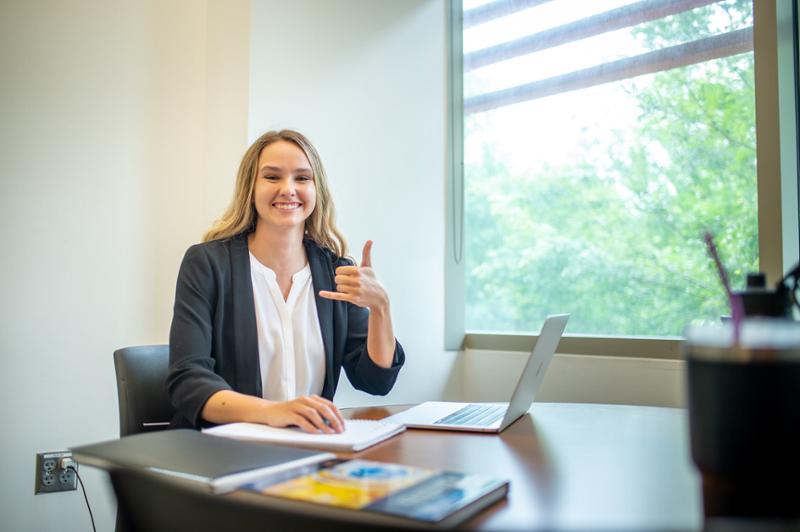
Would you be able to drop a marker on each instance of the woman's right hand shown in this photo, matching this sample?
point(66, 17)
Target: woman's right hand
point(311, 413)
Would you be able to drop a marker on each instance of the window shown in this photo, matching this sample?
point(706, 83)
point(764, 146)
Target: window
point(599, 143)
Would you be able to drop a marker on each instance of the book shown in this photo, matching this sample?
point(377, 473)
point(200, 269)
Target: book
point(219, 463)
point(383, 492)
point(358, 434)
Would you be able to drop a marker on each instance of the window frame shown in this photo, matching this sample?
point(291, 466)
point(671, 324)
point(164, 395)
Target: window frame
point(775, 49)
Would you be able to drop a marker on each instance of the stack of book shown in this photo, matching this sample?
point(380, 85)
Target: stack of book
point(385, 492)
point(304, 479)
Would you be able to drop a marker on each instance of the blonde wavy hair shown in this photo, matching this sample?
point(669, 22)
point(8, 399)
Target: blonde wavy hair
point(241, 214)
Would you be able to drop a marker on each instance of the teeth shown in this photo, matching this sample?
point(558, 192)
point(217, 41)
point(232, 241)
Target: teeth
point(287, 206)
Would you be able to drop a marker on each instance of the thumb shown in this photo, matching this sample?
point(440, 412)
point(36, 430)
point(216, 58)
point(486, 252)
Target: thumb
point(366, 259)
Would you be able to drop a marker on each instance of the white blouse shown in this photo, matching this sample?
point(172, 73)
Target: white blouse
point(290, 349)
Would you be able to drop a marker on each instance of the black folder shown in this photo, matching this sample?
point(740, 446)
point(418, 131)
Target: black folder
point(222, 464)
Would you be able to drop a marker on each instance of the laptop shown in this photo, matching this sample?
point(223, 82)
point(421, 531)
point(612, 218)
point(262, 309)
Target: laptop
point(491, 417)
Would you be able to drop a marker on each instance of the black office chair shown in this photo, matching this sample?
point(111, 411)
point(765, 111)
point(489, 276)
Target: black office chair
point(153, 502)
point(143, 402)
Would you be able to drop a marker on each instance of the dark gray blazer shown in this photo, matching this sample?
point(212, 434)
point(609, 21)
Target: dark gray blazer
point(213, 342)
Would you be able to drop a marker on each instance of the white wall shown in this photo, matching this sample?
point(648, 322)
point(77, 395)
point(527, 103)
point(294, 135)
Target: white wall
point(117, 120)
point(365, 80)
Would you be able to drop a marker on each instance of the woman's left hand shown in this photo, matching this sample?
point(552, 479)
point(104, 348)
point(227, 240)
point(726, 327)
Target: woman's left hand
point(359, 285)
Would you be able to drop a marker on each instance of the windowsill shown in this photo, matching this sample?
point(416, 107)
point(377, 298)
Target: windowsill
point(577, 344)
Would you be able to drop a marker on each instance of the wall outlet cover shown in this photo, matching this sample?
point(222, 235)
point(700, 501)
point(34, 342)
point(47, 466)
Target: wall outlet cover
point(50, 476)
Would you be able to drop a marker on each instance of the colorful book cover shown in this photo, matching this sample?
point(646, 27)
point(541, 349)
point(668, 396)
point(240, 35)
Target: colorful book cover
point(395, 489)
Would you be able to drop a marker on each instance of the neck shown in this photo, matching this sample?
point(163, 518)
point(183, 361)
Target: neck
point(280, 251)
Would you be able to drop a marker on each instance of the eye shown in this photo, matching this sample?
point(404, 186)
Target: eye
point(271, 177)
point(303, 178)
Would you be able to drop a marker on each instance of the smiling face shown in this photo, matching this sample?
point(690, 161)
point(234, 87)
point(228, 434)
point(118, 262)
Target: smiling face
point(284, 194)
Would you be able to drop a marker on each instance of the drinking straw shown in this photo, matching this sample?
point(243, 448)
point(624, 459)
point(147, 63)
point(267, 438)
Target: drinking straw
point(734, 300)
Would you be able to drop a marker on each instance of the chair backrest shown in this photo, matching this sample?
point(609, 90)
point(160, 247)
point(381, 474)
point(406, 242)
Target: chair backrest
point(152, 502)
point(143, 402)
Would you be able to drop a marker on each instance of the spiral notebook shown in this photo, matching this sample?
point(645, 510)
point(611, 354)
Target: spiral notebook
point(358, 435)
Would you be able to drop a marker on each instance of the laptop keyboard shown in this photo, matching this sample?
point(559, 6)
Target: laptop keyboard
point(474, 415)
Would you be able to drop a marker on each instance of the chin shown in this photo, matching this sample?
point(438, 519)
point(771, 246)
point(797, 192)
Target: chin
point(289, 224)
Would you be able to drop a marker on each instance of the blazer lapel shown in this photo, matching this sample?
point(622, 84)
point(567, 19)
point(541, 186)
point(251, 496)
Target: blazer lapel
point(244, 322)
point(323, 279)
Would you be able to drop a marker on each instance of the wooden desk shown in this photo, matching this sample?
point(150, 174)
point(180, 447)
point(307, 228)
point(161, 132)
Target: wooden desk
point(571, 466)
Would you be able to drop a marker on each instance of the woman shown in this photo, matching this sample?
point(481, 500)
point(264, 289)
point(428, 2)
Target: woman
point(267, 310)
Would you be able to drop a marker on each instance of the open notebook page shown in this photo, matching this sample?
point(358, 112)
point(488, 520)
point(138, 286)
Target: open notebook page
point(358, 434)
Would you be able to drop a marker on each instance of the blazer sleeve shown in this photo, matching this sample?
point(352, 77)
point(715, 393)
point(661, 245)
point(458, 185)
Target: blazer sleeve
point(362, 372)
point(191, 379)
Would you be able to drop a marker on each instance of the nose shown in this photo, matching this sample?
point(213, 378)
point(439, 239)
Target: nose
point(287, 187)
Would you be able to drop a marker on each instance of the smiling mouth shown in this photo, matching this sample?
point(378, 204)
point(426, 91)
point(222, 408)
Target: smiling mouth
point(287, 206)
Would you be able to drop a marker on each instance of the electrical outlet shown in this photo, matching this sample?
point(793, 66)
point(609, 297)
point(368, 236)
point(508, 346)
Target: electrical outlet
point(51, 475)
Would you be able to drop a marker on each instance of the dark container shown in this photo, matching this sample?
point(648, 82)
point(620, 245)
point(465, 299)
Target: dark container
point(744, 419)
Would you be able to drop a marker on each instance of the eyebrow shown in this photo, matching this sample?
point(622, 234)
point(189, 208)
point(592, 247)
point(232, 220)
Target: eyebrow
point(269, 168)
